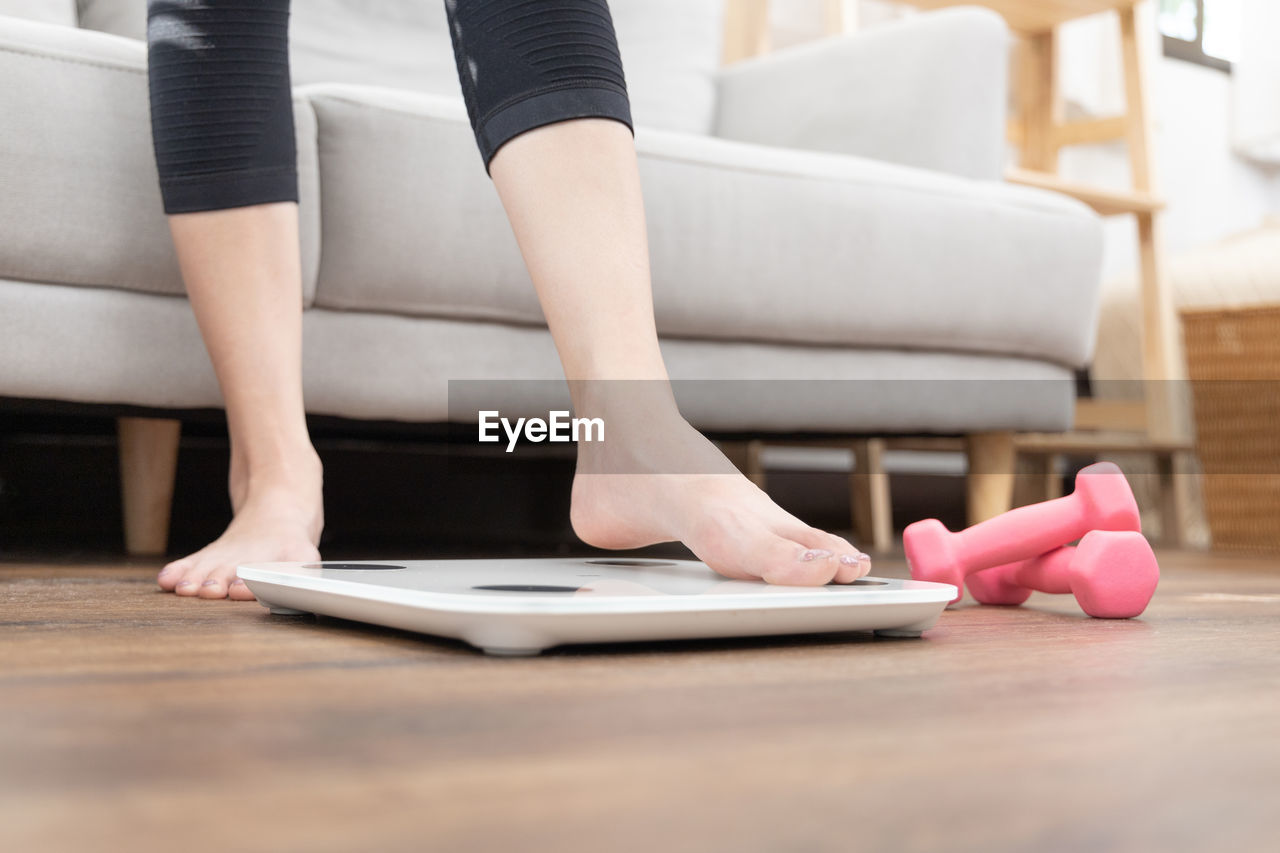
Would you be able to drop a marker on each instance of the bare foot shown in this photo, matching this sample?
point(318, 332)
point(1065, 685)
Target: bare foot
point(625, 496)
point(276, 518)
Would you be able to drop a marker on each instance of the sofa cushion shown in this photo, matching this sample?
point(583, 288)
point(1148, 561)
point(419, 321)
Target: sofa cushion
point(81, 199)
point(927, 91)
point(47, 11)
point(104, 346)
point(671, 49)
point(748, 242)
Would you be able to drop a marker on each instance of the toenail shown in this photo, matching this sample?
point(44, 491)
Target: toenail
point(185, 583)
point(210, 582)
point(814, 554)
point(164, 572)
point(850, 560)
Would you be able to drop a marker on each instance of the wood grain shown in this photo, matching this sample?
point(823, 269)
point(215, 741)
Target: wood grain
point(131, 719)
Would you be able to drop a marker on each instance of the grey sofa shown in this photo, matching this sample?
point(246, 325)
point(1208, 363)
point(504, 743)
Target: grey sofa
point(834, 211)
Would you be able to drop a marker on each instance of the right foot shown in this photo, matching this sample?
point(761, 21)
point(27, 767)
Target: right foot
point(624, 498)
point(276, 519)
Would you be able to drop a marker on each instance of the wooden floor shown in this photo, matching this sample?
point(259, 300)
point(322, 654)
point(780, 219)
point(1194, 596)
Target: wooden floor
point(134, 720)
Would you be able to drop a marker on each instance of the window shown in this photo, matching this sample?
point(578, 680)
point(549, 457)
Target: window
point(1203, 31)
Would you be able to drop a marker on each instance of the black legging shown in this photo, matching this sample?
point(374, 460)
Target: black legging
point(221, 109)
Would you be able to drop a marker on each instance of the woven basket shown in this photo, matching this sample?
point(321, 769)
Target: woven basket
point(1233, 360)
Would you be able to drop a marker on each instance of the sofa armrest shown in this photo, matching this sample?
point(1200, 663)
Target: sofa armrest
point(929, 91)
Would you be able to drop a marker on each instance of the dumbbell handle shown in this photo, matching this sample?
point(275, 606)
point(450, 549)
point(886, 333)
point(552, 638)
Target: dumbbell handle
point(1034, 529)
point(1050, 572)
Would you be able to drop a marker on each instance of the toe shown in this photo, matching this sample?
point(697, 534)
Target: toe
point(239, 592)
point(188, 585)
point(217, 583)
point(783, 561)
point(740, 547)
point(173, 573)
point(848, 569)
point(199, 566)
point(791, 566)
point(212, 588)
point(851, 563)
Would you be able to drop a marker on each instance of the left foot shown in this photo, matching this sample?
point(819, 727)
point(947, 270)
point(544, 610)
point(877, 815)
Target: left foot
point(278, 519)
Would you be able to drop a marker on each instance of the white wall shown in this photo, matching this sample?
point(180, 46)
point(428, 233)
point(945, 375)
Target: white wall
point(1211, 192)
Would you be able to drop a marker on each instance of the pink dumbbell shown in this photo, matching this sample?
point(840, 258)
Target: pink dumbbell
point(1102, 501)
point(1112, 574)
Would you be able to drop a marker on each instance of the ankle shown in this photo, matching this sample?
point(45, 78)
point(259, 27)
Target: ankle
point(615, 358)
point(625, 401)
point(299, 470)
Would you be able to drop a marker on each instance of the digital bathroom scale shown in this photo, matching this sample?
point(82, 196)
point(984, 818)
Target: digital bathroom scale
point(521, 607)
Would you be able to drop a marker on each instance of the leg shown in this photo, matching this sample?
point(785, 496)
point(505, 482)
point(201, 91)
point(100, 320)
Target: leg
point(1036, 478)
point(1172, 534)
point(565, 169)
point(232, 200)
point(148, 460)
point(572, 192)
point(869, 494)
point(990, 479)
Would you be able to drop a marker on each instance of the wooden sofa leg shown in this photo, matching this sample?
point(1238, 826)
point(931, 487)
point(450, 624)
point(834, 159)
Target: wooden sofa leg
point(991, 474)
point(1038, 479)
point(869, 496)
point(148, 462)
point(1172, 501)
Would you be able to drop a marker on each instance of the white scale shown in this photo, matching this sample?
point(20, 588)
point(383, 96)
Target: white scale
point(521, 607)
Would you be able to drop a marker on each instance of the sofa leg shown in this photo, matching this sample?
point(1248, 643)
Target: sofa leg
point(148, 462)
point(1038, 479)
point(1173, 500)
point(991, 474)
point(869, 496)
